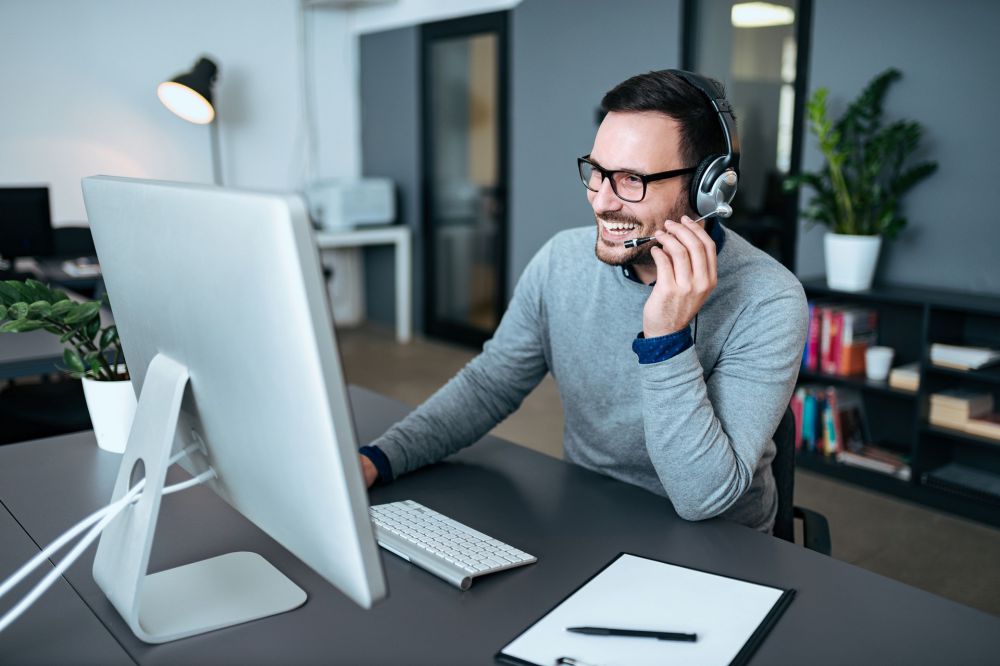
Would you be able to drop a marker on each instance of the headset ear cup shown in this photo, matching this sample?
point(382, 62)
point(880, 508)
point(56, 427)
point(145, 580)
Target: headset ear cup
point(696, 183)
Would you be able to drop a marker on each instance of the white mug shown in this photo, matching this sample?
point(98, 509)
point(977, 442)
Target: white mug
point(878, 360)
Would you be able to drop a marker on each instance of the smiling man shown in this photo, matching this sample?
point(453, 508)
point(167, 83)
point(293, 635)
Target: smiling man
point(675, 360)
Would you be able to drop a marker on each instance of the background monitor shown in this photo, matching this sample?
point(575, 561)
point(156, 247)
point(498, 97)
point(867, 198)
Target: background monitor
point(25, 222)
point(220, 292)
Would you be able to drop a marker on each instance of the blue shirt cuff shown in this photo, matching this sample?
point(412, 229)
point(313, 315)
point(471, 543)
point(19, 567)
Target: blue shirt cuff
point(662, 348)
point(381, 462)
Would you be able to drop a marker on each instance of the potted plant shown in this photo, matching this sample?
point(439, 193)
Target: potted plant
point(858, 193)
point(93, 353)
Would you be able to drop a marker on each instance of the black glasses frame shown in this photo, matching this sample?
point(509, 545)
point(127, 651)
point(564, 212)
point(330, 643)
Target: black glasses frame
point(646, 179)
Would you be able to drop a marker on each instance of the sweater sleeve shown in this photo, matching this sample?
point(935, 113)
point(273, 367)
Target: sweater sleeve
point(718, 429)
point(488, 389)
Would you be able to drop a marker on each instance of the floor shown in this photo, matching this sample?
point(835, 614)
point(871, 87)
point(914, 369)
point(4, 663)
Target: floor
point(934, 551)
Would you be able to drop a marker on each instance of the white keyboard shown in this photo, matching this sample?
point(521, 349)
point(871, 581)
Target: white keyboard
point(444, 547)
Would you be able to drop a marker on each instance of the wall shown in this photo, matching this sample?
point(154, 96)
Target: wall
point(84, 93)
point(946, 54)
point(565, 54)
point(555, 91)
point(390, 140)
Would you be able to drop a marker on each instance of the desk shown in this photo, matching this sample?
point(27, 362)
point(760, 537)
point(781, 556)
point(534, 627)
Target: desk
point(575, 521)
point(397, 235)
point(60, 614)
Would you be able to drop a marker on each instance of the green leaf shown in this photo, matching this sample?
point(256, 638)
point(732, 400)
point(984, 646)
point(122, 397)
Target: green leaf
point(39, 309)
point(3, 311)
point(18, 310)
point(21, 326)
point(108, 336)
point(73, 360)
point(60, 308)
point(9, 293)
point(93, 328)
point(67, 335)
point(39, 291)
point(83, 312)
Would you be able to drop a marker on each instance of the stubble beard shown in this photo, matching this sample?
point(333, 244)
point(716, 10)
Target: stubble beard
point(615, 254)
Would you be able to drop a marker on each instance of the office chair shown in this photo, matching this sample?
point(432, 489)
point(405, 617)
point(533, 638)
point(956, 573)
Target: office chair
point(815, 528)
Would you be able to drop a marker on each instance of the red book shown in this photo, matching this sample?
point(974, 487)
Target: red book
point(824, 340)
point(836, 341)
point(815, 327)
point(833, 327)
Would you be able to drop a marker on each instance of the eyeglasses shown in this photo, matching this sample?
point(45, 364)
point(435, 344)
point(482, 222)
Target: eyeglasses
point(627, 185)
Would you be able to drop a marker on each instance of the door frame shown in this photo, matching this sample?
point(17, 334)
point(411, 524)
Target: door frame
point(803, 50)
point(495, 22)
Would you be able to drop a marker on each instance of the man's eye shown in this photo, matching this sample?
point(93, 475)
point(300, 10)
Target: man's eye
point(631, 179)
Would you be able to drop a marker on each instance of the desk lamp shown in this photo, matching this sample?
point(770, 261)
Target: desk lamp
point(189, 95)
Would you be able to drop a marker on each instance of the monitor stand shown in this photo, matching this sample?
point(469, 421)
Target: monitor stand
point(194, 598)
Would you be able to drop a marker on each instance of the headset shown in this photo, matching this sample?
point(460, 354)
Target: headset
point(714, 182)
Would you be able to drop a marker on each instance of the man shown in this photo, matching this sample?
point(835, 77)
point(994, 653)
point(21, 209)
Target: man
point(675, 360)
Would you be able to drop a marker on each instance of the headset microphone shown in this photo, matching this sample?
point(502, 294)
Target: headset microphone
point(721, 210)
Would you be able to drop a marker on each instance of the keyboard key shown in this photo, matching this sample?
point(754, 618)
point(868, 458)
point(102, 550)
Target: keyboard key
point(430, 534)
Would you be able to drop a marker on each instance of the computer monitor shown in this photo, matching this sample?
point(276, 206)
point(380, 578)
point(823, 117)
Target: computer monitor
point(220, 304)
point(25, 222)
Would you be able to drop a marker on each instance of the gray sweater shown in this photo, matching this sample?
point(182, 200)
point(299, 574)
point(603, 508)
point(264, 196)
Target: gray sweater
point(695, 428)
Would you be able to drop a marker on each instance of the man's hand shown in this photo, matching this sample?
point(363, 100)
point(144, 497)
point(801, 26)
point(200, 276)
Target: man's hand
point(368, 471)
point(685, 276)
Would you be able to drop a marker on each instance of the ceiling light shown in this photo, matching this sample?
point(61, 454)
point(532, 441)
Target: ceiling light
point(761, 15)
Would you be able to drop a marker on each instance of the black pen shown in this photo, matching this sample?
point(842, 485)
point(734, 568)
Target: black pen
point(634, 633)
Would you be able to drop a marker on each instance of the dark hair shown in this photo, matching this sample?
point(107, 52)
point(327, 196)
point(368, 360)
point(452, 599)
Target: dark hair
point(667, 93)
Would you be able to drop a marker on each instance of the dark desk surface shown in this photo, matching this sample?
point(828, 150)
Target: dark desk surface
point(59, 614)
point(575, 521)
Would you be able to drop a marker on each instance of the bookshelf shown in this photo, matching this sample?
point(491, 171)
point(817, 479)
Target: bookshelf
point(910, 320)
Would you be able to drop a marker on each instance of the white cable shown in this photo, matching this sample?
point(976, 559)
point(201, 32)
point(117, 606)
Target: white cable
point(71, 533)
point(64, 564)
point(103, 517)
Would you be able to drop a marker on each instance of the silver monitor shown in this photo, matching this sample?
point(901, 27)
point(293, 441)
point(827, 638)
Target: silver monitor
point(220, 303)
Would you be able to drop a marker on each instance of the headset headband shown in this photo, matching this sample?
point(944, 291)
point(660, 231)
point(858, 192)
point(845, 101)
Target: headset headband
point(724, 110)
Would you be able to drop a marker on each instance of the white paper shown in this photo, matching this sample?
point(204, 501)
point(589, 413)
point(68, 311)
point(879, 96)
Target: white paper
point(638, 593)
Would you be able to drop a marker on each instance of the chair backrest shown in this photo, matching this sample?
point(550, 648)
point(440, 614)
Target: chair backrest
point(783, 468)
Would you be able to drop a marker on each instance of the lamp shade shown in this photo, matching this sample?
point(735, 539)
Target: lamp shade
point(189, 95)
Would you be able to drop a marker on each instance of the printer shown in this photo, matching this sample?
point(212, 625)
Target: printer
point(337, 205)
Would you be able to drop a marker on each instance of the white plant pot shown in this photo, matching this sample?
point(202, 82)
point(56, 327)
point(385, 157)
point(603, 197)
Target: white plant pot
point(112, 408)
point(850, 261)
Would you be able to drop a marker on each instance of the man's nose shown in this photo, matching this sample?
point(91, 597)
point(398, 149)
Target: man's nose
point(605, 199)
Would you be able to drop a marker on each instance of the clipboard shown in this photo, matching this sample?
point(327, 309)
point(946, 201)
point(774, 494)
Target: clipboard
point(731, 617)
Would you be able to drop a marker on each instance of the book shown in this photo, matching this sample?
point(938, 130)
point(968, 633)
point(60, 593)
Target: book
point(858, 329)
point(960, 357)
point(824, 339)
point(905, 377)
point(813, 338)
point(851, 432)
point(836, 333)
point(877, 460)
point(961, 402)
point(987, 425)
